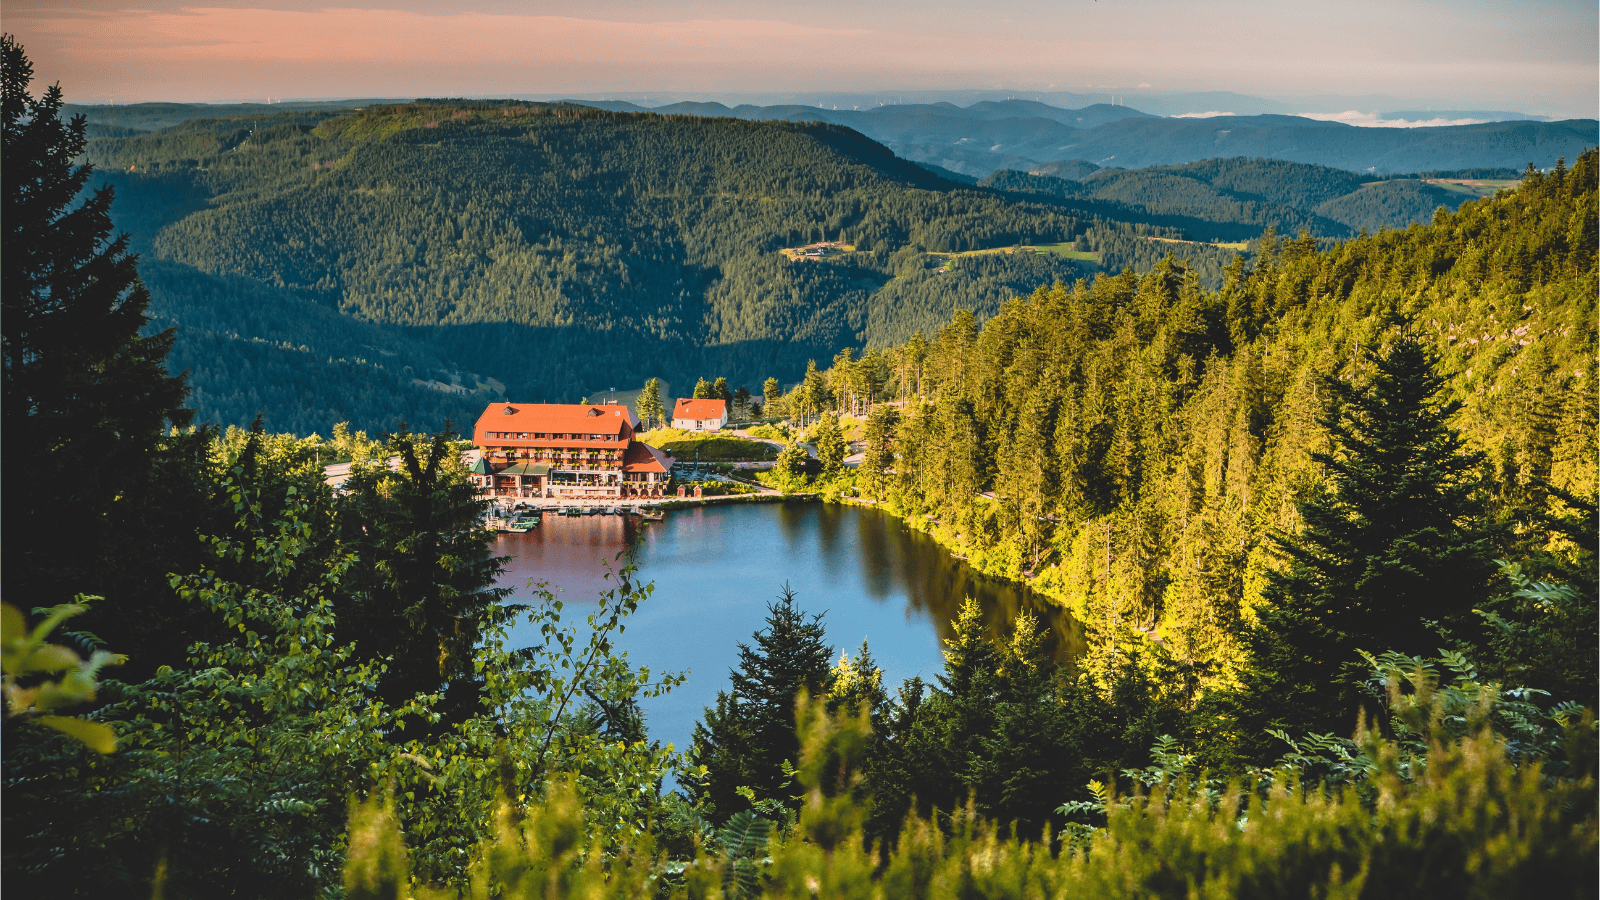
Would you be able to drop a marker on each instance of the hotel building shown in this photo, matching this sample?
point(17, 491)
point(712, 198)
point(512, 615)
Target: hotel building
point(564, 451)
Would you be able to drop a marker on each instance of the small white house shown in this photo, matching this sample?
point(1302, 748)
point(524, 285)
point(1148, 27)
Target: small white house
point(699, 415)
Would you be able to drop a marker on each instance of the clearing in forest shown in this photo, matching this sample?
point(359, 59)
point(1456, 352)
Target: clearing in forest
point(821, 250)
point(1065, 250)
point(1236, 245)
point(1477, 187)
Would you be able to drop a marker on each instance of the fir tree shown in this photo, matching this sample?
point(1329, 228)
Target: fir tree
point(831, 447)
point(1001, 728)
point(878, 453)
point(747, 737)
point(424, 580)
point(771, 393)
point(650, 408)
point(86, 396)
point(1394, 547)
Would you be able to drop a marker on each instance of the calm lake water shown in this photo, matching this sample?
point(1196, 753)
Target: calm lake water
point(716, 568)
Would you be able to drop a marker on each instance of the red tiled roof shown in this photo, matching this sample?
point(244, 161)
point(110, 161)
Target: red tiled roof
point(699, 409)
point(642, 457)
point(613, 420)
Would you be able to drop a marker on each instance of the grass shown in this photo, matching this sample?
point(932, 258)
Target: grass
point(712, 447)
point(1237, 246)
point(1475, 187)
point(1062, 250)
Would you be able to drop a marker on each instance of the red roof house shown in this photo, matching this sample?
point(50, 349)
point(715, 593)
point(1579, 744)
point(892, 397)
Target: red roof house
point(565, 450)
point(699, 415)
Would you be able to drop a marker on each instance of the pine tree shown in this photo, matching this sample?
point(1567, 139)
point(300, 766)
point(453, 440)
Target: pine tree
point(831, 447)
point(1395, 546)
point(703, 390)
point(424, 583)
point(771, 393)
point(719, 390)
point(86, 396)
point(999, 728)
point(792, 463)
point(878, 453)
point(747, 737)
point(650, 408)
point(857, 684)
point(814, 390)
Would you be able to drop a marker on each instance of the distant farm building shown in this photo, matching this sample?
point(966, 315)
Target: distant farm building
point(699, 415)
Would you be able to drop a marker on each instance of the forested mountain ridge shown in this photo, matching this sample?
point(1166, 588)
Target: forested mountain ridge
point(1141, 437)
point(550, 249)
point(555, 248)
point(1236, 199)
point(1019, 134)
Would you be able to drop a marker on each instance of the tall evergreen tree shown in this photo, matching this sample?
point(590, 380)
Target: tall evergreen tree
point(878, 454)
point(771, 393)
point(650, 408)
point(424, 580)
point(86, 397)
point(745, 739)
point(1001, 727)
point(1395, 546)
point(831, 446)
point(719, 390)
point(703, 390)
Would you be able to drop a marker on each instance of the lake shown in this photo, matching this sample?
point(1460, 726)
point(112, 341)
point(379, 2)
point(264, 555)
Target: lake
point(716, 568)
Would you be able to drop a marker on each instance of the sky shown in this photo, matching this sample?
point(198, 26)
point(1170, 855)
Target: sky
point(1534, 57)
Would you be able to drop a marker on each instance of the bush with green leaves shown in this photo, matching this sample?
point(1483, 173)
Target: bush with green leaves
point(29, 662)
point(236, 768)
point(1470, 824)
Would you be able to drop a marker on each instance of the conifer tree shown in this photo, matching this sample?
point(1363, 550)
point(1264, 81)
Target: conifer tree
point(86, 396)
point(650, 408)
point(878, 454)
point(1000, 727)
point(745, 739)
point(703, 390)
point(771, 393)
point(424, 578)
point(831, 447)
point(719, 390)
point(1396, 546)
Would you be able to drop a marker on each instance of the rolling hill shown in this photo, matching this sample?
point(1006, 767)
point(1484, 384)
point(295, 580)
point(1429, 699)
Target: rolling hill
point(1022, 134)
point(416, 261)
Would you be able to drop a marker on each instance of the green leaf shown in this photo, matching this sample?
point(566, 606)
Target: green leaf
point(94, 735)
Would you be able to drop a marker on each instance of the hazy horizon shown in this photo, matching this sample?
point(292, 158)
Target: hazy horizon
point(1538, 59)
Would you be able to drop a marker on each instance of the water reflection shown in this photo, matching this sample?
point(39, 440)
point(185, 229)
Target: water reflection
point(716, 568)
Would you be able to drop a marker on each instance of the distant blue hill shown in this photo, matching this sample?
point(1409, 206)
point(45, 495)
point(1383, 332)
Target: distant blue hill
point(992, 135)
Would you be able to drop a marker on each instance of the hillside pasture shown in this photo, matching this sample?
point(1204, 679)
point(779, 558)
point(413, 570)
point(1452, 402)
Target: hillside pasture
point(1065, 250)
point(682, 445)
point(1486, 187)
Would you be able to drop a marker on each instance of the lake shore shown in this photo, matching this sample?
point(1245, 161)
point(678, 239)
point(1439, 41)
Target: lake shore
point(991, 564)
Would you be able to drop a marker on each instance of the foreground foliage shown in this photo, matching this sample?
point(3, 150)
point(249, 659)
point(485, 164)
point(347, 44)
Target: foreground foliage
point(1469, 824)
